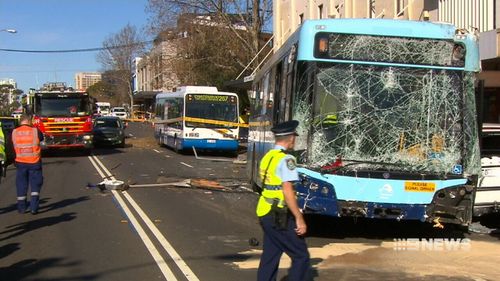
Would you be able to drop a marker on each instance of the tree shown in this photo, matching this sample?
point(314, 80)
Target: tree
point(117, 57)
point(242, 20)
point(103, 91)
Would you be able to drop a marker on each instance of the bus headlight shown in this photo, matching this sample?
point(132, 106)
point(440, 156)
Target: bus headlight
point(87, 137)
point(325, 190)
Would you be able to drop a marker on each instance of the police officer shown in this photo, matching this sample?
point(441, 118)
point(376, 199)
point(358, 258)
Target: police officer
point(278, 211)
point(26, 140)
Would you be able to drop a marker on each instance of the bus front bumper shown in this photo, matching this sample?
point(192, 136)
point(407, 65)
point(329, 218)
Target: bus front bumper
point(447, 206)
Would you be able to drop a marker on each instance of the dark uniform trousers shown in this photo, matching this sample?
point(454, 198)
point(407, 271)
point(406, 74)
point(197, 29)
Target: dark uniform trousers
point(277, 242)
point(28, 175)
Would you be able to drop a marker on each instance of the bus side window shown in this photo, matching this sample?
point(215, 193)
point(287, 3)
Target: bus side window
point(277, 92)
point(288, 97)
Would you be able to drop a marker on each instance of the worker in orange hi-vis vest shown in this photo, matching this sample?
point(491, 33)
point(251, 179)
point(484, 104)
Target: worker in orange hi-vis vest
point(26, 140)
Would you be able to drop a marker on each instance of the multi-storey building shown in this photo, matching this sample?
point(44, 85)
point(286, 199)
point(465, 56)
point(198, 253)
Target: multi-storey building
point(481, 16)
point(10, 85)
point(83, 80)
point(153, 73)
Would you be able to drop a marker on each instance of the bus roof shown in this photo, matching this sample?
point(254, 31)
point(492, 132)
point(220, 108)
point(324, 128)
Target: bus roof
point(390, 28)
point(382, 27)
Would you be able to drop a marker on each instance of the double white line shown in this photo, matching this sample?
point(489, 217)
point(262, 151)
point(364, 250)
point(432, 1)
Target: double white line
point(167, 273)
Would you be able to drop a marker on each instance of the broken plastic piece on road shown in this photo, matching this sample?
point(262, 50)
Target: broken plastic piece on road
point(113, 184)
point(207, 184)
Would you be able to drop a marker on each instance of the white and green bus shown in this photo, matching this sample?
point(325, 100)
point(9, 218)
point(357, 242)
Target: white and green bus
point(197, 117)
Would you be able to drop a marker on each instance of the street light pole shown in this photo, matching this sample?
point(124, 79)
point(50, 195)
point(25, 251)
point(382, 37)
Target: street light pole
point(9, 30)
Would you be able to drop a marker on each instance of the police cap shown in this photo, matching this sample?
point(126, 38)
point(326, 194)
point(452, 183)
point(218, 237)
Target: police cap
point(285, 128)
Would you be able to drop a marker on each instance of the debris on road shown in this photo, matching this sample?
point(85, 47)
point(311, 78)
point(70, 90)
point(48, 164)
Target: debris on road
point(254, 242)
point(184, 183)
point(228, 185)
point(207, 184)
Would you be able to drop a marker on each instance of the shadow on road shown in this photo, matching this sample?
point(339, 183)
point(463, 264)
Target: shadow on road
point(8, 209)
point(27, 270)
point(8, 249)
point(64, 153)
point(108, 150)
point(44, 207)
point(490, 223)
point(341, 228)
point(61, 204)
point(25, 227)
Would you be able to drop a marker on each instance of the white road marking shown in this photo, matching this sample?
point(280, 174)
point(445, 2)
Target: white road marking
point(96, 167)
point(156, 151)
point(186, 165)
point(168, 156)
point(166, 245)
point(167, 273)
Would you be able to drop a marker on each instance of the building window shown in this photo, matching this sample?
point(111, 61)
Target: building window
point(320, 11)
point(301, 18)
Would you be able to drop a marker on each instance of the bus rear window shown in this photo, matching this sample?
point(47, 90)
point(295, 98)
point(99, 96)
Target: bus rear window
point(353, 47)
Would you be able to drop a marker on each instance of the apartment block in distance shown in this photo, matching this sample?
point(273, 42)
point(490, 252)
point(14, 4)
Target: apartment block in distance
point(83, 80)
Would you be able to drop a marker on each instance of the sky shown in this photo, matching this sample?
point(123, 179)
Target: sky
point(60, 25)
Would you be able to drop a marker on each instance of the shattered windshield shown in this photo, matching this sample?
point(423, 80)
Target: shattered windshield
point(389, 49)
point(406, 116)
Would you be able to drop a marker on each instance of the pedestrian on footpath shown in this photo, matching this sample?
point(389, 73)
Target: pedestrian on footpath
point(26, 140)
point(280, 217)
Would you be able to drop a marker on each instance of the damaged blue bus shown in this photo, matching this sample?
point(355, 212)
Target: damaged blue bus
point(387, 113)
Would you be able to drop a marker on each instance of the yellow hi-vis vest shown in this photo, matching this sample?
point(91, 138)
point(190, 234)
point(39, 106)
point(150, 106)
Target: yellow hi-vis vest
point(271, 189)
point(2, 144)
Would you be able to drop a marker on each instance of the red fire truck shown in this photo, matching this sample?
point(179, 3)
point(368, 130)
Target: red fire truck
point(63, 115)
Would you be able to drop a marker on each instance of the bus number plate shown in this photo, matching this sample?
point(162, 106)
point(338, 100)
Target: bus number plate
point(210, 141)
point(413, 186)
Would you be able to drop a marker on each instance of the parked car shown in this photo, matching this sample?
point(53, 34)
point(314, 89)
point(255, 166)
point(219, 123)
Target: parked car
point(16, 115)
point(109, 130)
point(119, 112)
